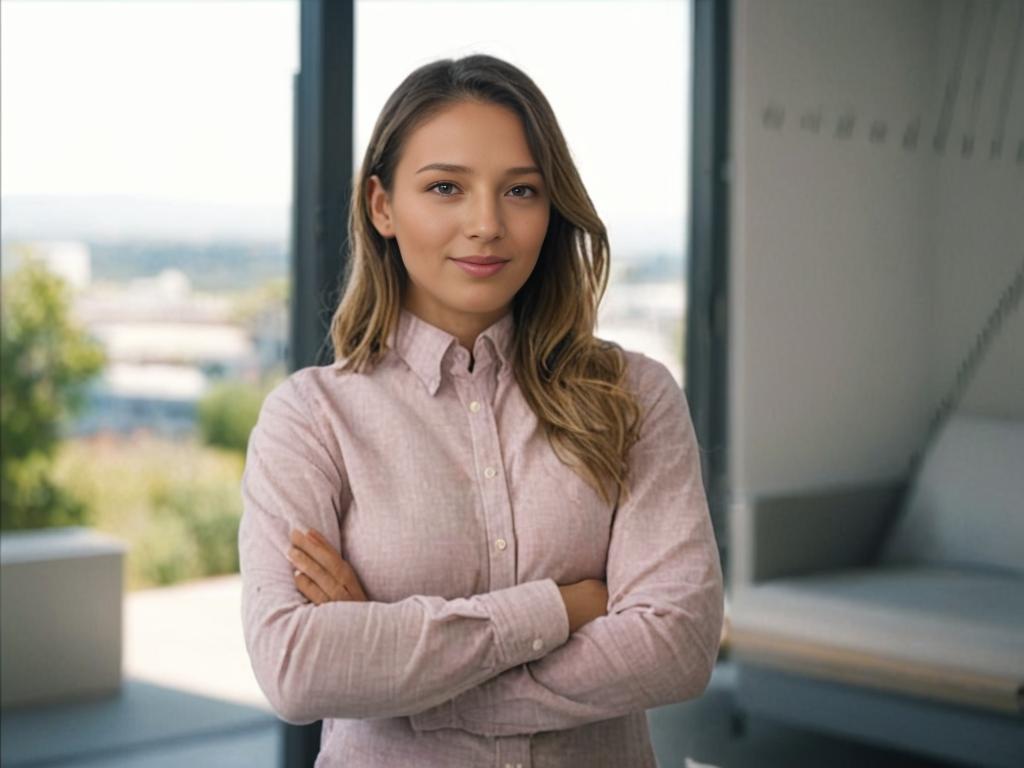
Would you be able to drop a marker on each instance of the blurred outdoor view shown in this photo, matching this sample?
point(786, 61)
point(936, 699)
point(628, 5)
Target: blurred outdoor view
point(146, 192)
point(146, 181)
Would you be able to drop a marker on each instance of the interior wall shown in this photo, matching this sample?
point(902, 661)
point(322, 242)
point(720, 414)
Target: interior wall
point(978, 213)
point(867, 247)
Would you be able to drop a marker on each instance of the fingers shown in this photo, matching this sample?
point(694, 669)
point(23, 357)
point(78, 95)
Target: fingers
point(322, 555)
point(315, 534)
point(311, 568)
point(309, 588)
point(320, 550)
point(352, 585)
point(315, 556)
point(316, 545)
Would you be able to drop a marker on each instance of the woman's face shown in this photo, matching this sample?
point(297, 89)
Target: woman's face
point(487, 199)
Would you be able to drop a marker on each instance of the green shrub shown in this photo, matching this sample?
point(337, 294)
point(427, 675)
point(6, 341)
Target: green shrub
point(228, 413)
point(176, 503)
point(209, 513)
point(165, 553)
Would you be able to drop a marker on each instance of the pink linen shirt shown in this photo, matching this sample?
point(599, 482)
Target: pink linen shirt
point(437, 484)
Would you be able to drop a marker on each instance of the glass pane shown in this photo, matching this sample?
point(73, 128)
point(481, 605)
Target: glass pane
point(147, 174)
point(622, 105)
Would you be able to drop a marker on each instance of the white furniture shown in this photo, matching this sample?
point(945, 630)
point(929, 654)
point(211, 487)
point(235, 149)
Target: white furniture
point(61, 592)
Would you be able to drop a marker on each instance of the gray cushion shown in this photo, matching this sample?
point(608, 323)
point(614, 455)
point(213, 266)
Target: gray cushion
point(966, 619)
point(967, 508)
point(964, 626)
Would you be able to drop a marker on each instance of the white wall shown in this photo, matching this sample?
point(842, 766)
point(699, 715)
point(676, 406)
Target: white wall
point(978, 214)
point(861, 267)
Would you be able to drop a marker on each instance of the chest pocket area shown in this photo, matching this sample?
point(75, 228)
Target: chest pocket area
point(416, 533)
point(578, 521)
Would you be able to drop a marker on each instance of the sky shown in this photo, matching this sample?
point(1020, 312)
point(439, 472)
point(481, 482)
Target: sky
point(191, 100)
point(179, 99)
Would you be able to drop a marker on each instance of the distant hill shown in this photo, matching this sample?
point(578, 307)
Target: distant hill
point(122, 217)
point(220, 266)
point(219, 247)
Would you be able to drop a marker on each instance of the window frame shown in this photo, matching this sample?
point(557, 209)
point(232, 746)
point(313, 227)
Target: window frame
point(707, 320)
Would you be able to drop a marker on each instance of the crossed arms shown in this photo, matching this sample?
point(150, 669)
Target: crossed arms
point(470, 663)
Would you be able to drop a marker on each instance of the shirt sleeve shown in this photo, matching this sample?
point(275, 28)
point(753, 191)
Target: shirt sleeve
point(359, 659)
point(659, 641)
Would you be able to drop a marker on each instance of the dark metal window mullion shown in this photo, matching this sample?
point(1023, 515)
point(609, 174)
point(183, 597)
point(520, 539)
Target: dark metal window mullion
point(322, 179)
point(707, 303)
point(324, 111)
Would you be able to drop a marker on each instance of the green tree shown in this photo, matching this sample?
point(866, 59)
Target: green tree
point(46, 362)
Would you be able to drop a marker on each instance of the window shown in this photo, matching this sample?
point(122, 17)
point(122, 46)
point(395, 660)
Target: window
point(623, 106)
point(147, 166)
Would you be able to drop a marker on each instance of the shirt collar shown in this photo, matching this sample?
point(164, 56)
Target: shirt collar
point(424, 346)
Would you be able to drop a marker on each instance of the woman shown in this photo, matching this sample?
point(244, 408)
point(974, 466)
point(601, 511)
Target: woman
point(480, 537)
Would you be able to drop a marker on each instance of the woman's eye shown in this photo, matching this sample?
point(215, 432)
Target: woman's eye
point(440, 184)
point(447, 188)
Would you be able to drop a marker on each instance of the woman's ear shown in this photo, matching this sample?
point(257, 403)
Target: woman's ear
point(380, 206)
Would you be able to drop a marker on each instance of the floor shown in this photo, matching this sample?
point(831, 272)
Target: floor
point(145, 726)
point(189, 698)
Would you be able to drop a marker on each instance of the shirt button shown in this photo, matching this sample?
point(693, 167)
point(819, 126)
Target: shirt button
point(490, 472)
point(500, 544)
point(474, 406)
point(538, 644)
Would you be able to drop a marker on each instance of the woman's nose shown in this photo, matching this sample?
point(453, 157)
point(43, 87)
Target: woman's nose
point(484, 219)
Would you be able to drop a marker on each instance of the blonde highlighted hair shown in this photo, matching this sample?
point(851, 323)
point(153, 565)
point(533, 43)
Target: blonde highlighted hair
point(573, 381)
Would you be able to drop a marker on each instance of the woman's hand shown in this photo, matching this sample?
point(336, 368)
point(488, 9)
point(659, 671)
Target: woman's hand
point(584, 601)
point(320, 572)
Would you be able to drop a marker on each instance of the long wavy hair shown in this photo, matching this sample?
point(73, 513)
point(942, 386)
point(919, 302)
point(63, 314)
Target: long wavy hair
point(573, 381)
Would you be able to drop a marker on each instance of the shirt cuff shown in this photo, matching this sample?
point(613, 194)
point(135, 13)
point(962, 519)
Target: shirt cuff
point(530, 620)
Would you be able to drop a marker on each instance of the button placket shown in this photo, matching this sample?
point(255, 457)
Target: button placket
point(494, 493)
point(513, 751)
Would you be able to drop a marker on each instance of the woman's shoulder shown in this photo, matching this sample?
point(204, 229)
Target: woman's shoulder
point(647, 376)
point(334, 383)
point(303, 383)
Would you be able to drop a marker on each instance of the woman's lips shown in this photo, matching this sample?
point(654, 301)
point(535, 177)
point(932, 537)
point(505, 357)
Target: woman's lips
point(480, 270)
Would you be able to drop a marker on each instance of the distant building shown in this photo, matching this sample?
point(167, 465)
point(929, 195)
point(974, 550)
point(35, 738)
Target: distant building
point(167, 296)
point(165, 346)
point(269, 333)
point(164, 343)
point(219, 348)
point(128, 398)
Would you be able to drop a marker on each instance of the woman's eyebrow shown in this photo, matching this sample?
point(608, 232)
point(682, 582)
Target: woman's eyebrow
point(453, 168)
